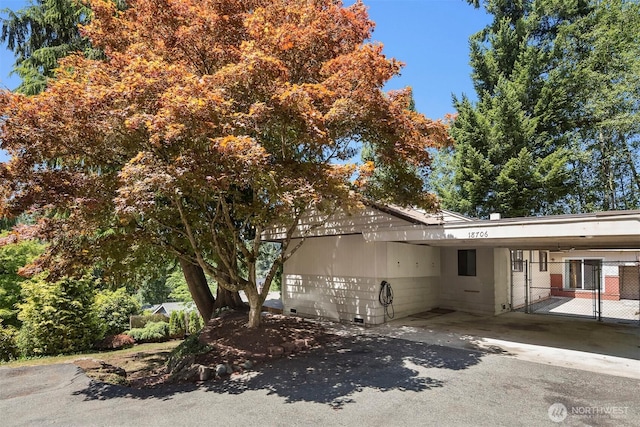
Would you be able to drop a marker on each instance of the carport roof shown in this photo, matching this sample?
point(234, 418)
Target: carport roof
point(601, 230)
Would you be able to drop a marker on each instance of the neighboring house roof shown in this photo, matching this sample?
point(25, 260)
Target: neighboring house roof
point(167, 308)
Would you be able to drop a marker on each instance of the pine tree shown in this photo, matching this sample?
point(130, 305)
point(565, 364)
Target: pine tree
point(511, 154)
point(41, 34)
point(555, 128)
point(600, 72)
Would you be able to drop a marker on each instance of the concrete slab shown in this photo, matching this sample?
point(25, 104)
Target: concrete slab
point(577, 343)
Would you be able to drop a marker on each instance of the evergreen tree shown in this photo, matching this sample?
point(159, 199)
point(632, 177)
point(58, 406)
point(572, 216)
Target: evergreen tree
point(41, 34)
point(12, 258)
point(114, 308)
point(57, 316)
point(555, 128)
point(511, 151)
point(600, 72)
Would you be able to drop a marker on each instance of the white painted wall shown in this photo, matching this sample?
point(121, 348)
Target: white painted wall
point(488, 292)
point(501, 280)
point(338, 278)
point(341, 223)
point(539, 281)
point(414, 274)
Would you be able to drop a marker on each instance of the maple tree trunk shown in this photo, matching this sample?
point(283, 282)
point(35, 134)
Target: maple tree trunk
point(199, 289)
point(227, 298)
point(255, 306)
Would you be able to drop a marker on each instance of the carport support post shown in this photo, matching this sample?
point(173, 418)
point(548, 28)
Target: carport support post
point(526, 287)
point(598, 273)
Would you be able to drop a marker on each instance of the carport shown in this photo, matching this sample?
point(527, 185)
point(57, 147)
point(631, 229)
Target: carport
point(547, 258)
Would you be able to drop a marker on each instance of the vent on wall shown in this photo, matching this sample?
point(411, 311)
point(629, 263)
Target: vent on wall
point(358, 320)
point(293, 310)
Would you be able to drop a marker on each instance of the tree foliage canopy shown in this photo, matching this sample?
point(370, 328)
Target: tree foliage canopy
point(555, 125)
point(13, 257)
point(40, 35)
point(207, 123)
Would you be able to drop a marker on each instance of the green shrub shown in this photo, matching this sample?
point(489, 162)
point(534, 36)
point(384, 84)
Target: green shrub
point(195, 322)
point(114, 308)
point(177, 327)
point(191, 346)
point(57, 317)
point(152, 332)
point(141, 321)
point(8, 346)
point(13, 257)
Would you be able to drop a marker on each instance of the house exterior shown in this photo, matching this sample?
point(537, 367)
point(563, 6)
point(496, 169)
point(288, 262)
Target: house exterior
point(167, 308)
point(443, 261)
point(615, 272)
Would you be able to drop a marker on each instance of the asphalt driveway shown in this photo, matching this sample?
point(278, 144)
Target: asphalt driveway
point(361, 380)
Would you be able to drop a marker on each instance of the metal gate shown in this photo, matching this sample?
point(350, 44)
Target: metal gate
point(607, 291)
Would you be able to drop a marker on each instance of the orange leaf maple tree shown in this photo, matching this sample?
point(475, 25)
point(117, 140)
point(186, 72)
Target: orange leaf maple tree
point(208, 123)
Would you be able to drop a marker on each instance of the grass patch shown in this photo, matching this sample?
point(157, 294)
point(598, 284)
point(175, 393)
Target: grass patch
point(102, 355)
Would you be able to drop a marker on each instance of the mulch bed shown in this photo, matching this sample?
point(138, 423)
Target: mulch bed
point(276, 336)
point(233, 344)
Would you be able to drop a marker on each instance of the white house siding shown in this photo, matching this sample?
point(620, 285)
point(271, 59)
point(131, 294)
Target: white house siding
point(501, 280)
point(342, 224)
point(335, 277)
point(414, 274)
point(339, 277)
point(539, 281)
point(479, 293)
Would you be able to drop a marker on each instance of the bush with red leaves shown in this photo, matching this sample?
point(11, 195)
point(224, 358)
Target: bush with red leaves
point(115, 342)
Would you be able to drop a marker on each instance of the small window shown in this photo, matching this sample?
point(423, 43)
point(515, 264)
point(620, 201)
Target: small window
point(516, 261)
point(467, 262)
point(542, 255)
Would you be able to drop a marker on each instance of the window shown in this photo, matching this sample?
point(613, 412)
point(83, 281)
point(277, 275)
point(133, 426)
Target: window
point(583, 274)
point(467, 262)
point(517, 261)
point(542, 256)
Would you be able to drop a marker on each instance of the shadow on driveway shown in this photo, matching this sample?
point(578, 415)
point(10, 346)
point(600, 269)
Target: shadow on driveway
point(330, 375)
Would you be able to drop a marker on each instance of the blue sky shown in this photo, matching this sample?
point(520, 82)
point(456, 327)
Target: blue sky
point(429, 36)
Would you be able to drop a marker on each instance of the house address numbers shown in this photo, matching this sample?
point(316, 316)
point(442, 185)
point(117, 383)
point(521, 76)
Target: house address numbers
point(478, 234)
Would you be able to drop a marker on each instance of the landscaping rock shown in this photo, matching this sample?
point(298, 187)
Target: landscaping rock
point(221, 370)
point(247, 365)
point(204, 372)
point(189, 373)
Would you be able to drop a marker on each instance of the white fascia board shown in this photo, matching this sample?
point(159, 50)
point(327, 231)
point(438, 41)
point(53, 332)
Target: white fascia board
point(512, 230)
